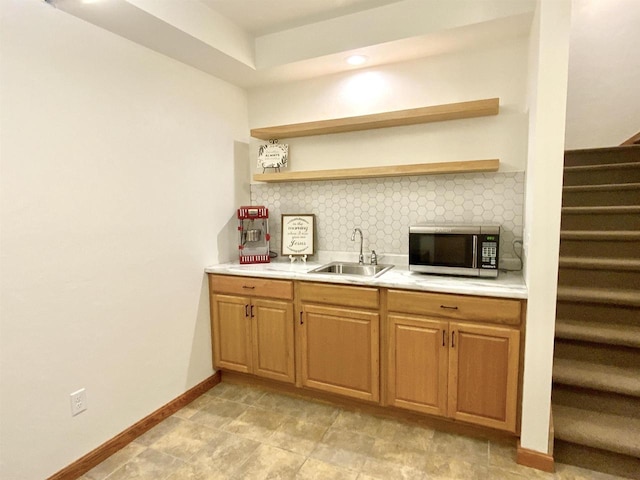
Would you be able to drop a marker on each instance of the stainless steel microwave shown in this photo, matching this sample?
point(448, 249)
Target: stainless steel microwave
point(452, 249)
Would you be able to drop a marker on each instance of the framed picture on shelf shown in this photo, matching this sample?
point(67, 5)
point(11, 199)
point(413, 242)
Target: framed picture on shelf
point(298, 232)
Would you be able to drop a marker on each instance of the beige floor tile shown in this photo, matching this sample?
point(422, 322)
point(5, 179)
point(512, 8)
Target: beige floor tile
point(270, 463)
point(297, 436)
point(455, 467)
point(161, 429)
point(184, 440)
point(414, 437)
point(194, 407)
point(318, 413)
point(314, 469)
point(115, 461)
point(468, 448)
point(394, 460)
point(256, 424)
point(570, 472)
point(222, 456)
point(344, 448)
point(149, 465)
point(238, 393)
point(219, 413)
point(358, 421)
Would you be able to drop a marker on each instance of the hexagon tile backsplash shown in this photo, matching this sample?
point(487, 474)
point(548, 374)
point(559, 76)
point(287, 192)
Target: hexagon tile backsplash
point(385, 207)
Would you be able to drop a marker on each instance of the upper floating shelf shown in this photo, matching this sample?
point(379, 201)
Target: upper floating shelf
point(435, 113)
point(467, 166)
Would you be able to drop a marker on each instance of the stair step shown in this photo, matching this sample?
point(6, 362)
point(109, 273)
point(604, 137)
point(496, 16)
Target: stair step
point(628, 172)
point(599, 263)
point(615, 433)
point(607, 194)
point(608, 378)
point(609, 244)
point(604, 272)
point(625, 217)
point(598, 354)
point(599, 296)
point(594, 156)
point(610, 334)
point(604, 235)
point(599, 314)
point(605, 402)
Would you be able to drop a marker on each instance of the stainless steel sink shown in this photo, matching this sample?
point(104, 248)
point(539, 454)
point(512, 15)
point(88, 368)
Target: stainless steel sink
point(345, 268)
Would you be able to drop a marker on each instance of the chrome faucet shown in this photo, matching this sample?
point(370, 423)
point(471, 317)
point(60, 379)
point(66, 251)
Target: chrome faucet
point(353, 239)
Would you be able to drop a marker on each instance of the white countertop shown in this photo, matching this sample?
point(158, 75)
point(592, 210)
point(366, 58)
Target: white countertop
point(507, 285)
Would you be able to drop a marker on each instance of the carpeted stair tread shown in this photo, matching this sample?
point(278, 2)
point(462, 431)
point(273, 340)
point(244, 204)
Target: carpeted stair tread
point(605, 210)
point(603, 235)
point(597, 376)
point(602, 166)
point(593, 428)
point(603, 187)
point(599, 296)
point(606, 333)
point(596, 263)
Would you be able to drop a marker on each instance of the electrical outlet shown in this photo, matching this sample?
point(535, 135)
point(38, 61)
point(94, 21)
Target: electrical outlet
point(78, 402)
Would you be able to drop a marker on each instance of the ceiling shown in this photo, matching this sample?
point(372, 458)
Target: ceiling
point(269, 16)
point(256, 42)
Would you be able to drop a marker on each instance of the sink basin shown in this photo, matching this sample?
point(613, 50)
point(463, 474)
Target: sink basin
point(345, 268)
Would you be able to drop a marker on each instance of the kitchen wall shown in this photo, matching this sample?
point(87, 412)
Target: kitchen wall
point(384, 208)
point(116, 190)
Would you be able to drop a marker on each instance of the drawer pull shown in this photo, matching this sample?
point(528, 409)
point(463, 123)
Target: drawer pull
point(448, 307)
point(248, 287)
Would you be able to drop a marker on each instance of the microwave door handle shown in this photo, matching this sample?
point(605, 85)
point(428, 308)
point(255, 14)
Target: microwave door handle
point(475, 251)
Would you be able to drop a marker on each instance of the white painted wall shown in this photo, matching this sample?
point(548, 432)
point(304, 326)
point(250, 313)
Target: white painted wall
point(603, 105)
point(492, 71)
point(543, 197)
point(116, 189)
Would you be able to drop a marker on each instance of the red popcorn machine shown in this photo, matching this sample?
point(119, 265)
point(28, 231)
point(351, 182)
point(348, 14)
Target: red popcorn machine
point(253, 227)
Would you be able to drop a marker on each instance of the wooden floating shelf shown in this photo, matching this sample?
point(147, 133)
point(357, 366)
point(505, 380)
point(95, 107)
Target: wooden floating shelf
point(468, 166)
point(435, 113)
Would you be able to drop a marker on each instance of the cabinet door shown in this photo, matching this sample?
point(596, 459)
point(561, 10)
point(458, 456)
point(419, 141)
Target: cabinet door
point(418, 356)
point(231, 332)
point(339, 350)
point(483, 374)
point(273, 339)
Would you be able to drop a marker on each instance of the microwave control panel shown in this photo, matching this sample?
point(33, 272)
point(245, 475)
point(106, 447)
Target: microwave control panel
point(488, 251)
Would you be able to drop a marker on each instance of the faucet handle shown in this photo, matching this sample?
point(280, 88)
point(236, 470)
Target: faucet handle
point(374, 258)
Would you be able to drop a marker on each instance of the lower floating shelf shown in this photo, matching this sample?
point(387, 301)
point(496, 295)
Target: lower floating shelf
point(468, 166)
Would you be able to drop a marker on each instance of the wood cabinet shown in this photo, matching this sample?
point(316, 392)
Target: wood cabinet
point(442, 366)
point(251, 334)
point(339, 340)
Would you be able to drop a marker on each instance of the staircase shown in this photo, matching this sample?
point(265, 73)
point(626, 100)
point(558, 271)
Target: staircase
point(596, 373)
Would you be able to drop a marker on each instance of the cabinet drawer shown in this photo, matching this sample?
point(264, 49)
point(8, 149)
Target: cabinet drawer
point(344, 295)
point(484, 309)
point(256, 287)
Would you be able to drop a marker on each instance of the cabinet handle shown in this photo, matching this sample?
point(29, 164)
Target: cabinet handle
point(246, 310)
point(301, 322)
point(453, 339)
point(448, 307)
point(444, 340)
point(251, 311)
point(248, 287)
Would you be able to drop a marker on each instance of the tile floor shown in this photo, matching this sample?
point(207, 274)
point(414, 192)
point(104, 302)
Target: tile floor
point(243, 432)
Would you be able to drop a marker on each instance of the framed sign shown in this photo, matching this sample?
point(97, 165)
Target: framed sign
point(298, 232)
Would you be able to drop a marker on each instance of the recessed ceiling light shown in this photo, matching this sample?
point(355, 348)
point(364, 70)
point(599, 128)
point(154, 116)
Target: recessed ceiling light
point(357, 59)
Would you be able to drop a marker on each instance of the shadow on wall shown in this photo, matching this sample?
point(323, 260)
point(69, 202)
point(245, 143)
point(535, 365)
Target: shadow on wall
point(228, 234)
